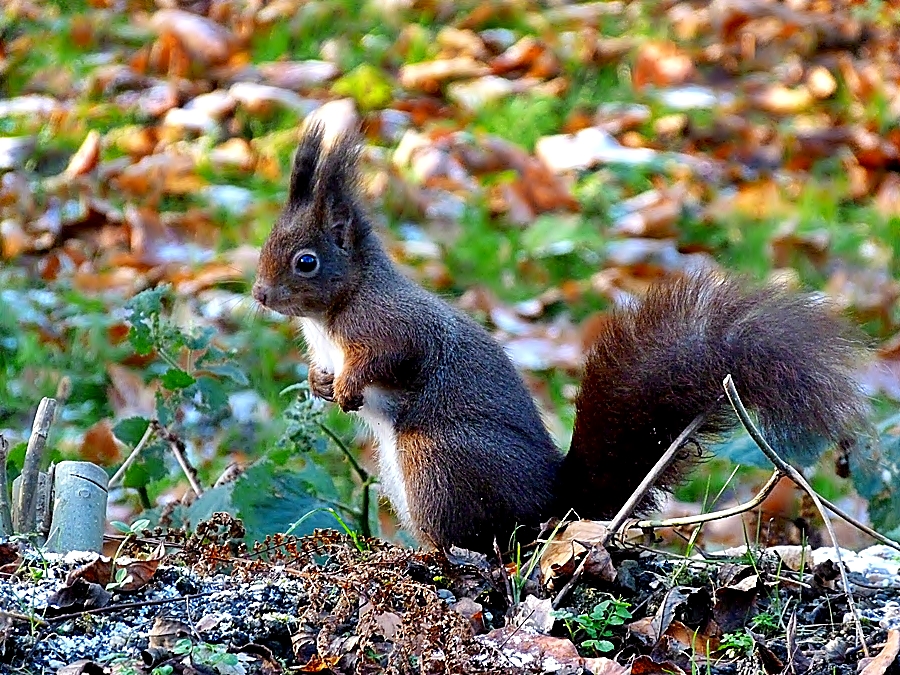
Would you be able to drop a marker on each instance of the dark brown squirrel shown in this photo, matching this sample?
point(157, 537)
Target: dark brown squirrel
point(464, 455)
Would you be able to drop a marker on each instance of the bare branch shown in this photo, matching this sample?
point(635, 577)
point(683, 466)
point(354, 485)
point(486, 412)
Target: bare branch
point(798, 478)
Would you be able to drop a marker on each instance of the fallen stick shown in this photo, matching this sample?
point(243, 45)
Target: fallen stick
point(119, 475)
point(176, 445)
point(640, 492)
point(798, 478)
point(760, 497)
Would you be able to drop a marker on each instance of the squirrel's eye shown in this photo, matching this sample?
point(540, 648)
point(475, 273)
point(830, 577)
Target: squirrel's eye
point(306, 264)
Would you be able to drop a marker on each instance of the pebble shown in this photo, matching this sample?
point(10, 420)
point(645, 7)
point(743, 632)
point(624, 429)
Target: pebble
point(446, 595)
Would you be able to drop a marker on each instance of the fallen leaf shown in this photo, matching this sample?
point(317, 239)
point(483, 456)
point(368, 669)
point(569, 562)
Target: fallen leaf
point(99, 445)
point(561, 555)
point(87, 157)
point(77, 597)
point(204, 39)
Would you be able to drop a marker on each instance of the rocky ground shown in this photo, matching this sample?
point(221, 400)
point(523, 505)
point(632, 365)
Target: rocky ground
point(331, 603)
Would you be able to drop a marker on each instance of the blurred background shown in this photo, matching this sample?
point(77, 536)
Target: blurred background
point(533, 162)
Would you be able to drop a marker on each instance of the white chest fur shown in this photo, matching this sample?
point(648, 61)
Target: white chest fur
point(328, 356)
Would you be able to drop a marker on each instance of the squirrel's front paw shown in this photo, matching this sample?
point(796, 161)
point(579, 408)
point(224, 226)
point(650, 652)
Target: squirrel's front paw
point(321, 383)
point(350, 403)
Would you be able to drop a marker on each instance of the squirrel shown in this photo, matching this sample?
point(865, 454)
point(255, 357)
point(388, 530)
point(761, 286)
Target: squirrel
point(464, 456)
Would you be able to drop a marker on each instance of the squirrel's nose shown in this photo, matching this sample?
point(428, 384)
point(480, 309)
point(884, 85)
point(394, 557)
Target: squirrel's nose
point(261, 293)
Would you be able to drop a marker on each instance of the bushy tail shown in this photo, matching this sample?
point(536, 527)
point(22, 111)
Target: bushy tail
point(657, 365)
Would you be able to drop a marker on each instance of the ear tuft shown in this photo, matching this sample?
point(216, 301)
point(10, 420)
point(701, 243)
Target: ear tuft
point(337, 189)
point(339, 167)
point(306, 162)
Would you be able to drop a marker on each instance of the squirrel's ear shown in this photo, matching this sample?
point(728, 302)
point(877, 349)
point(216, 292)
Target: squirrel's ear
point(346, 221)
point(305, 162)
point(338, 188)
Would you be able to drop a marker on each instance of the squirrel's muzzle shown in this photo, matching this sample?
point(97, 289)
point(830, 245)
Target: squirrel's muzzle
point(262, 293)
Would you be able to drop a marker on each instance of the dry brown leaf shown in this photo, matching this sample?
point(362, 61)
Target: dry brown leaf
point(205, 40)
point(167, 632)
point(644, 665)
point(139, 572)
point(561, 555)
point(161, 173)
point(661, 64)
point(87, 157)
point(429, 76)
point(888, 655)
point(99, 445)
point(97, 572)
point(529, 56)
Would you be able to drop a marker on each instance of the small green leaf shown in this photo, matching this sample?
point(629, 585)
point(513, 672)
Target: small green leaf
point(200, 339)
point(598, 645)
point(229, 371)
point(131, 430)
point(140, 525)
point(183, 646)
point(120, 526)
point(175, 379)
point(165, 412)
point(213, 393)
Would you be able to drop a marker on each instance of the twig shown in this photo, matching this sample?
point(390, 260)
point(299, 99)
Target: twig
point(798, 478)
point(5, 507)
point(361, 473)
point(176, 445)
point(860, 526)
point(365, 527)
point(504, 573)
point(119, 475)
point(25, 515)
point(635, 499)
point(651, 478)
point(16, 616)
point(125, 605)
point(760, 497)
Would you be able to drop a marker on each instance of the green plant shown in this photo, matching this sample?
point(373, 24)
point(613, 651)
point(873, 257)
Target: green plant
point(216, 657)
point(121, 575)
point(736, 645)
point(597, 625)
point(194, 369)
point(520, 577)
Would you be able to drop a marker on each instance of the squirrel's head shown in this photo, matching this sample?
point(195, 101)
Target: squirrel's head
point(311, 259)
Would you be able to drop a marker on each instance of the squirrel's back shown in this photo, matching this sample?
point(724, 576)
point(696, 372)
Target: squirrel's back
point(658, 364)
